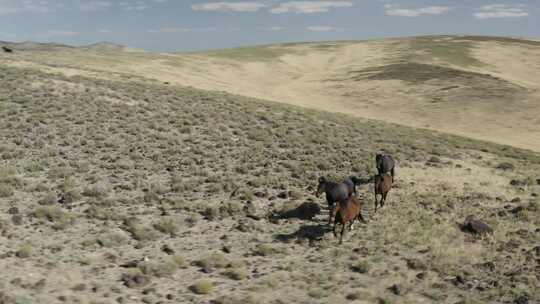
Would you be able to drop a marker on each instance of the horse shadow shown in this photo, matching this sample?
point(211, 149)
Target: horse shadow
point(305, 211)
point(308, 232)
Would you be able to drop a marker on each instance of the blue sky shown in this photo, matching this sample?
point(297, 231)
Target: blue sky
point(185, 25)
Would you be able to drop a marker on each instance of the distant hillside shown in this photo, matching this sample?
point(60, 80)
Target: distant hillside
point(476, 86)
point(35, 46)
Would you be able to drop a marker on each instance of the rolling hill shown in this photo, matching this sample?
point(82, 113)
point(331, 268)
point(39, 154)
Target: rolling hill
point(481, 87)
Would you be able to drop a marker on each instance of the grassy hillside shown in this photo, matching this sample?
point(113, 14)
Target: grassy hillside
point(485, 88)
point(139, 192)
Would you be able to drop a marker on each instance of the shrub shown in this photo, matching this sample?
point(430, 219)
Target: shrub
point(158, 269)
point(54, 214)
point(505, 166)
point(202, 287)
point(214, 260)
point(6, 190)
point(236, 274)
point(25, 251)
point(266, 250)
point(167, 225)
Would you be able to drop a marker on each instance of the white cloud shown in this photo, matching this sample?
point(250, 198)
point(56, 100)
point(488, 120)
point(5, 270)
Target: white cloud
point(94, 5)
point(321, 28)
point(133, 5)
point(501, 11)
point(394, 10)
point(309, 7)
point(229, 6)
point(276, 28)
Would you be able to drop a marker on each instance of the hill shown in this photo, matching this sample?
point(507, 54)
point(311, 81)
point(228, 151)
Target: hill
point(132, 191)
point(480, 87)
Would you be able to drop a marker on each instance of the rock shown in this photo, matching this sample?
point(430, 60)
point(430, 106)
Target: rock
point(169, 297)
point(458, 280)
point(523, 299)
point(474, 226)
point(512, 244)
point(421, 275)
point(260, 194)
point(40, 284)
point(517, 209)
point(79, 287)
point(416, 264)
point(395, 289)
point(207, 269)
point(226, 249)
point(283, 195)
point(167, 249)
point(536, 250)
point(515, 182)
point(17, 219)
point(135, 280)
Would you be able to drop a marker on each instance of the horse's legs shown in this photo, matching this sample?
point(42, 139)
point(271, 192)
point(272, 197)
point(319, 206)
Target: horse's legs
point(375, 201)
point(342, 230)
point(334, 229)
point(331, 212)
point(392, 172)
point(360, 217)
point(383, 200)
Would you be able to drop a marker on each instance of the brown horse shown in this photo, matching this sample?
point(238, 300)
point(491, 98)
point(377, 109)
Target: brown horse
point(383, 184)
point(347, 211)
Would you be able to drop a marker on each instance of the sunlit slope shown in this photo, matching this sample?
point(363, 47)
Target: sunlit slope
point(481, 87)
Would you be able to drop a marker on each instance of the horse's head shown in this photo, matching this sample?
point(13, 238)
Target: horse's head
point(321, 187)
point(378, 157)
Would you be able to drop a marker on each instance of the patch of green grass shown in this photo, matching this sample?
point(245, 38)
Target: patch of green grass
point(202, 287)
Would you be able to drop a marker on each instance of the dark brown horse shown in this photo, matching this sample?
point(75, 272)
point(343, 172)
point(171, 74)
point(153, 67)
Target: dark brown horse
point(336, 192)
point(383, 184)
point(385, 164)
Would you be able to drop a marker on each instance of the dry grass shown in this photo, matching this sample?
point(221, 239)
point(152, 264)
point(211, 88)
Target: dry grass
point(101, 187)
